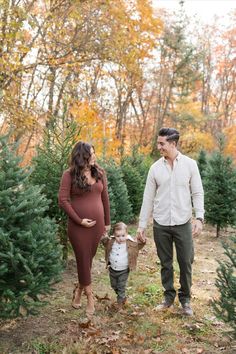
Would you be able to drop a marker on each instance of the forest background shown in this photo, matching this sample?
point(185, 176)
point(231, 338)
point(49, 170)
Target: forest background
point(120, 70)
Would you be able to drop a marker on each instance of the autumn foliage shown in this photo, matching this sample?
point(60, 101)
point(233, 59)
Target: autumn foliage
point(120, 70)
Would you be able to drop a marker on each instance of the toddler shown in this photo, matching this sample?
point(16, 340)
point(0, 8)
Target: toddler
point(121, 252)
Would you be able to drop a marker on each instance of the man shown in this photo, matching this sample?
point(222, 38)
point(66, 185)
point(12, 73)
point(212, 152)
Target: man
point(173, 185)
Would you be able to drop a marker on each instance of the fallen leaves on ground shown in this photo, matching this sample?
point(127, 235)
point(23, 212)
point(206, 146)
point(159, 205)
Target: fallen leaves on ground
point(102, 298)
point(61, 310)
point(137, 328)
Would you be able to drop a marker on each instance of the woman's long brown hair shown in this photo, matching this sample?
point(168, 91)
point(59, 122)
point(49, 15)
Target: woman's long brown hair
point(80, 157)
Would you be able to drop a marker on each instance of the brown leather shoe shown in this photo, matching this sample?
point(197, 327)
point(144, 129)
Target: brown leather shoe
point(187, 310)
point(163, 306)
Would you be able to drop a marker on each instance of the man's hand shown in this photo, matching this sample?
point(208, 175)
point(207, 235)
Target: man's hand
point(88, 222)
point(141, 235)
point(197, 227)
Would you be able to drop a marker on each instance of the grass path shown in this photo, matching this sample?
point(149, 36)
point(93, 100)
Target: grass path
point(136, 329)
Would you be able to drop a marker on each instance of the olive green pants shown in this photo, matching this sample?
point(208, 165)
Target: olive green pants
point(180, 236)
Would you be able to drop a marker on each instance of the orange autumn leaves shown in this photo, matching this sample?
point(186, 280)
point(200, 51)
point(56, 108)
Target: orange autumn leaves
point(114, 67)
point(95, 129)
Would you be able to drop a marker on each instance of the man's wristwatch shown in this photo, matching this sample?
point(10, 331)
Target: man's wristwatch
point(200, 219)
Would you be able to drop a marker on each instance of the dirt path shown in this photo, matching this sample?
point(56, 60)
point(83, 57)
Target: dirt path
point(137, 328)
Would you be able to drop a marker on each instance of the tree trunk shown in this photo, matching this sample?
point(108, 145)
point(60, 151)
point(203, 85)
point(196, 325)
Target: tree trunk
point(217, 230)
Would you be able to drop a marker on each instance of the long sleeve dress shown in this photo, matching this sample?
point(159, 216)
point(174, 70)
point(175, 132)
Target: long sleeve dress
point(79, 204)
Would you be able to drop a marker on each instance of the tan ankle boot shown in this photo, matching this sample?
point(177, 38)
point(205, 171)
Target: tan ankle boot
point(90, 304)
point(77, 293)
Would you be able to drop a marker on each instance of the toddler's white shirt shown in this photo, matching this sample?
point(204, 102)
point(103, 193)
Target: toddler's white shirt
point(119, 256)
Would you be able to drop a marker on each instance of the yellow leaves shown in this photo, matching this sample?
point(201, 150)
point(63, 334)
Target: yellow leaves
point(191, 109)
point(87, 117)
point(95, 129)
point(193, 140)
point(145, 150)
point(191, 123)
point(21, 118)
point(147, 20)
point(23, 49)
point(132, 31)
point(25, 121)
point(230, 134)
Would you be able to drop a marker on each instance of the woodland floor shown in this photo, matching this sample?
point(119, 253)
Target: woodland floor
point(137, 328)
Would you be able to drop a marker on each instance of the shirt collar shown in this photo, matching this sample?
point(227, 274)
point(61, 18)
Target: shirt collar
point(176, 159)
point(128, 238)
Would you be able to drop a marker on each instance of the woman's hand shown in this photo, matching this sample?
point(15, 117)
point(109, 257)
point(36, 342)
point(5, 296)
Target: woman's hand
point(107, 228)
point(88, 222)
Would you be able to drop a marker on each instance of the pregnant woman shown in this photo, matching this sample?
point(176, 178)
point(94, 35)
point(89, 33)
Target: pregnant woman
point(84, 197)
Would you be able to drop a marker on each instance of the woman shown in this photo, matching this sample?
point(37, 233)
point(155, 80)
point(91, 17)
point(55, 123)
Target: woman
point(84, 197)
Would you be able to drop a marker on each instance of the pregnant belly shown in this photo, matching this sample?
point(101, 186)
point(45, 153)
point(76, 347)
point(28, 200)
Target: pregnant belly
point(89, 209)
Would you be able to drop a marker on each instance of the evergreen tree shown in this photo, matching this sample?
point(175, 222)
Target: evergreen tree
point(220, 191)
point(29, 251)
point(140, 162)
point(112, 205)
point(52, 159)
point(120, 197)
point(135, 186)
point(202, 162)
point(225, 307)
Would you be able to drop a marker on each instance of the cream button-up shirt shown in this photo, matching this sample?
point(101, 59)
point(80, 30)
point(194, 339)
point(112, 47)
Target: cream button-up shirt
point(119, 256)
point(170, 193)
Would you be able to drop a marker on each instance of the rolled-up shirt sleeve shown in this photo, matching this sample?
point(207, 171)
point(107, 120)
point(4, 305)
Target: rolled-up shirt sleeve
point(148, 199)
point(64, 198)
point(197, 191)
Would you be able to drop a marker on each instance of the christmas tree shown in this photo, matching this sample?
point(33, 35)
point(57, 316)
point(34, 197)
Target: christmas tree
point(120, 197)
point(52, 159)
point(220, 190)
point(112, 205)
point(140, 162)
point(135, 186)
point(225, 307)
point(202, 162)
point(30, 257)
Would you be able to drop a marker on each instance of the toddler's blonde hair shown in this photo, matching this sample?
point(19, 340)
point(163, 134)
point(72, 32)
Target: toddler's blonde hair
point(119, 226)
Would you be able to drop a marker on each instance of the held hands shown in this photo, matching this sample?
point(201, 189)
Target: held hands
point(197, 227)
point(106, 231)
point(105, 237)
point(88, 222)
point(141, 235)
point(107, 228)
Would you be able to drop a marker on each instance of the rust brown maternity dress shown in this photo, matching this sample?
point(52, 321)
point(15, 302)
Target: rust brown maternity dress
point(78, 205)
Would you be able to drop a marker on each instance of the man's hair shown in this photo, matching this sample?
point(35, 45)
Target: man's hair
point(120, 226)
point(170, 133)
